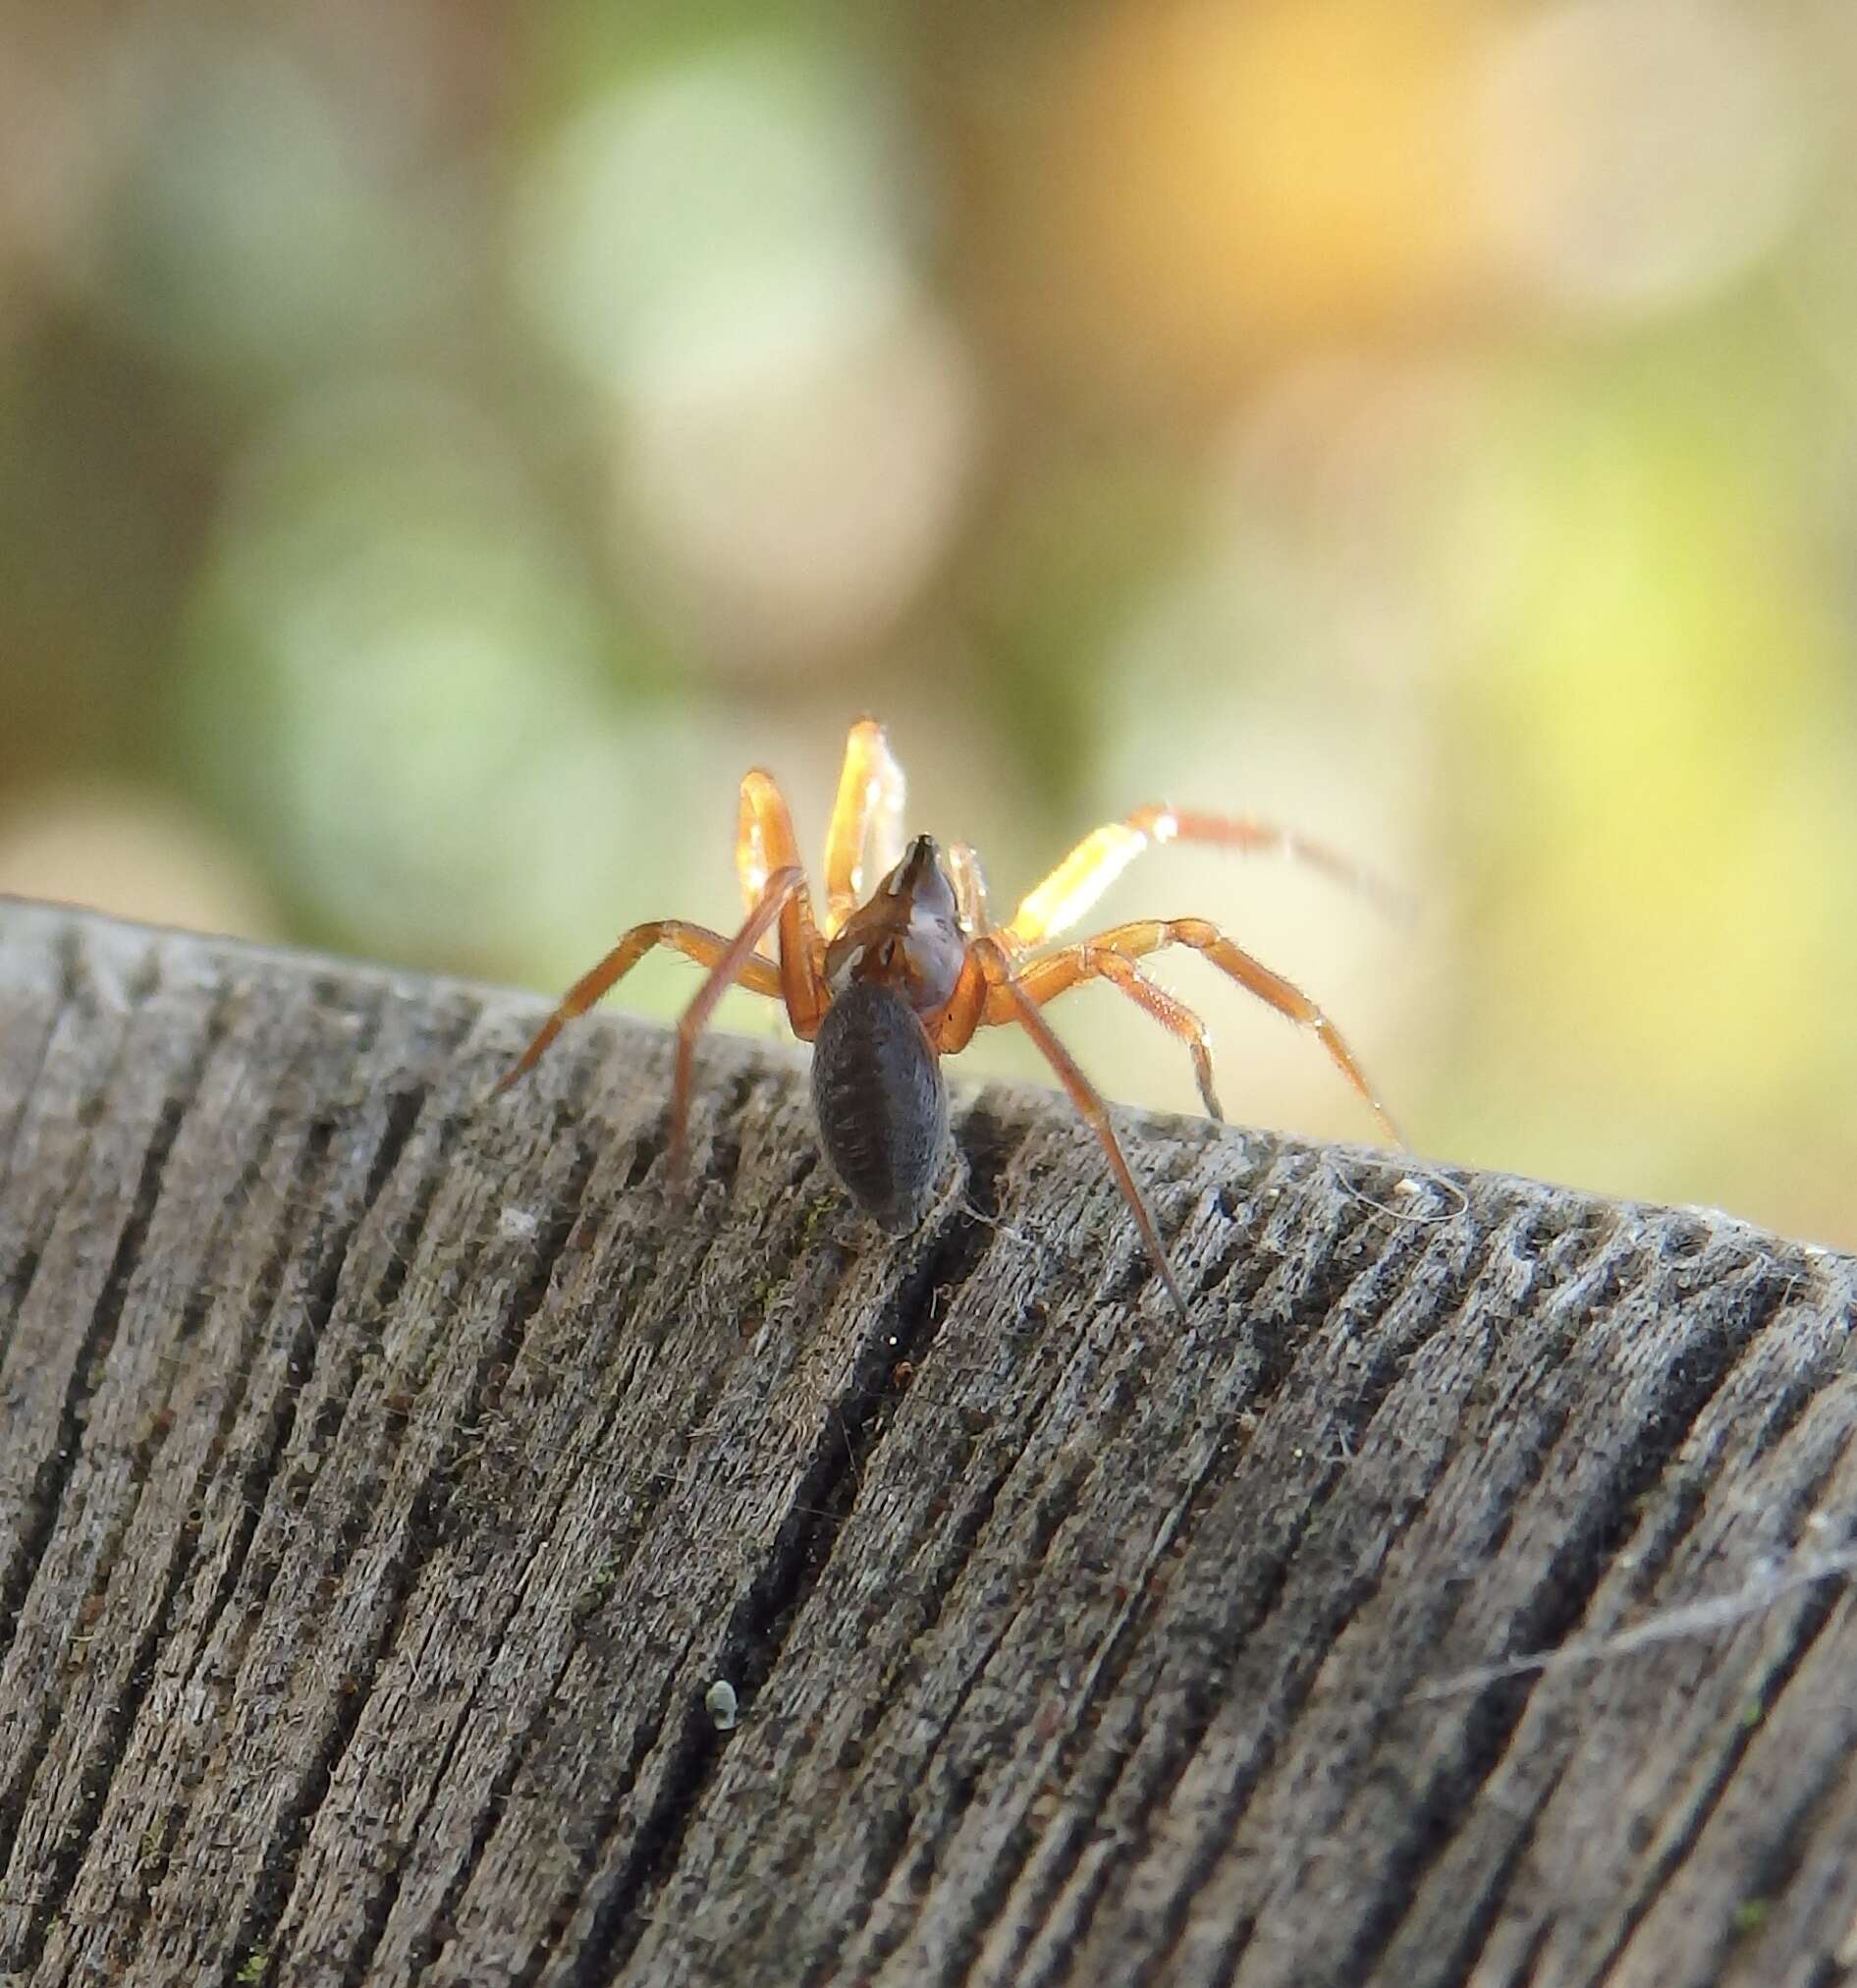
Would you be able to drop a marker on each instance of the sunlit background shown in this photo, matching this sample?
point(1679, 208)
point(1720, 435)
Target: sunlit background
point(443, 445)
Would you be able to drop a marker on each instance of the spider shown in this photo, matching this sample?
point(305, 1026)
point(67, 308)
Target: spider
point(883, 986)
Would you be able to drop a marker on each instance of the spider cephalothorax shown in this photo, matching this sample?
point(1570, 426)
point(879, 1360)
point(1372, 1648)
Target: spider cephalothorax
point(885, 986)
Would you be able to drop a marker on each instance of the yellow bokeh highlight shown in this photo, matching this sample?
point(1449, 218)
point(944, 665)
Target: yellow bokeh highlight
point(433, 467)
point(1661, 682)
point(1221, 181)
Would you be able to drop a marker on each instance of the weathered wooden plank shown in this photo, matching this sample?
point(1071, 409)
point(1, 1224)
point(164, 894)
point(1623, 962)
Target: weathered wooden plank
point(387, 1475)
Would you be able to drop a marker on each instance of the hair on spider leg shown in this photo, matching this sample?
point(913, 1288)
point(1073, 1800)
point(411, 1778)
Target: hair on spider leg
point(901, 971)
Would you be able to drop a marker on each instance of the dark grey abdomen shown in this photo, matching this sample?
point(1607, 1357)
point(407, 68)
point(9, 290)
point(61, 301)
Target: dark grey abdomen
point(882, 1105)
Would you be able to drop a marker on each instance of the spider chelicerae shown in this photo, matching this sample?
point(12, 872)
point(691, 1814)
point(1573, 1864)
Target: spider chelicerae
point(885, 986)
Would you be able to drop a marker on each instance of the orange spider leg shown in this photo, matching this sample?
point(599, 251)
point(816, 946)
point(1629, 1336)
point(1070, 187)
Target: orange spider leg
point(970, 888)
point(765, 844)
point(953, 1028)
point(1017, 1006)
point(866, 821)
point(737, 959)
point(1068, 892)
point(695, 942)
point(1135, 941)
point(1046, 980)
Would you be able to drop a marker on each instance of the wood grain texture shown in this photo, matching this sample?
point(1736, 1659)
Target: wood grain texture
point(387, 1477)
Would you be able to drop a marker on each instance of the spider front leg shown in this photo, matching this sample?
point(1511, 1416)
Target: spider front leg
point(866, 821)
point(1081, 879)
point(765, 844)
point(970, 889)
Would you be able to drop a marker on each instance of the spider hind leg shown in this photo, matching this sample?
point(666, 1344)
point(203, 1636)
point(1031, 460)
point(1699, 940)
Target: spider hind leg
point(1017, 1006)
point(695, 942)
point(1045, 979)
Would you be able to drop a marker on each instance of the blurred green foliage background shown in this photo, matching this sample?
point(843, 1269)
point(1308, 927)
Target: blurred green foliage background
point(443, 445)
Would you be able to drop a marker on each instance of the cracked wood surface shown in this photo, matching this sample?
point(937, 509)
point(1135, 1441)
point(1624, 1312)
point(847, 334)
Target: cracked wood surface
point(387, 1477)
